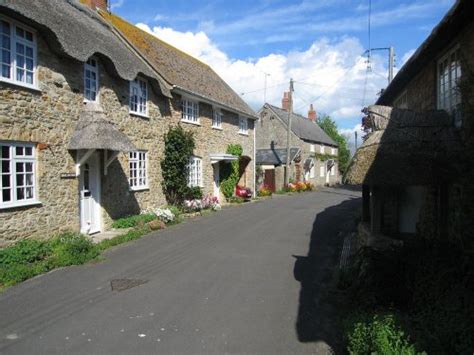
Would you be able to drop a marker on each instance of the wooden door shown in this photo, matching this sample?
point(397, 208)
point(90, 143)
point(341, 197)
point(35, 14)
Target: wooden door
point(269, 179)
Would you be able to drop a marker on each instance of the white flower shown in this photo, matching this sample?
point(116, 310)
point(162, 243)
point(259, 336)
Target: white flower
point(164, 214)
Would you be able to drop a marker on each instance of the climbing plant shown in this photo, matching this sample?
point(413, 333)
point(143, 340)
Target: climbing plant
point(229, 174)
point(179, 146)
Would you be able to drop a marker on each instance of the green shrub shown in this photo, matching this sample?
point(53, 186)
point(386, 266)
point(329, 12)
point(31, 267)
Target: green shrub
point(24, 252)
point(178, 214)
point(229, 174)
point(72, 249)
point(129, 236)
point(378, 335)
point(193, 193)
point(133, 221)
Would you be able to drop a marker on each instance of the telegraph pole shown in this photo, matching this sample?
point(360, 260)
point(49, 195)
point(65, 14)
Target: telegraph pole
point(288, 136)
point(391, 63)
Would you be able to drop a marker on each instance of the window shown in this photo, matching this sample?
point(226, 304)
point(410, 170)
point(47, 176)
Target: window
point(217, 118)
point(243, 125)
point(321, 171)
point(311, 148)
point(91, 79)
point(321, 149)
point(190, 111)
point(311, 172)
point(333, 151)
point(138, 170)
point(449, 75)
point(17, 186)
point(195, 172)
point(138, 97)
point(18, 54)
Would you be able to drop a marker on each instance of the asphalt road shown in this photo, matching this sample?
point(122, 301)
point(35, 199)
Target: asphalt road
point(248, 279)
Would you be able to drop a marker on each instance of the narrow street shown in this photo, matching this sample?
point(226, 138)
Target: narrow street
point(249, 279)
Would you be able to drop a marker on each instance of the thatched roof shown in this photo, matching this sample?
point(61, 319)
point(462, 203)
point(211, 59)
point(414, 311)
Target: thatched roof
point(186, 73)
point(302, 127)
point(93, 131)
point(406, 148)
point(78, 32)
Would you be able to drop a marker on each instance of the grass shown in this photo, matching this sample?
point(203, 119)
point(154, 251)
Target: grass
point(133, 221)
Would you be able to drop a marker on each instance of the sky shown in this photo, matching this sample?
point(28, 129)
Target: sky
point(320, 44)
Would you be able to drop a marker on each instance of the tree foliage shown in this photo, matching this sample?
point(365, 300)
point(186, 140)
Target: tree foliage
point(330, 127)
point(230, 172)
point(179, 146)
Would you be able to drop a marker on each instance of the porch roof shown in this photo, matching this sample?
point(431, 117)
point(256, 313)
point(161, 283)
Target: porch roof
point(93, 131)
point(275, 156)
point(215, 158)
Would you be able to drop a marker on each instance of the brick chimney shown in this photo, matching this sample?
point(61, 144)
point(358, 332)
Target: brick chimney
point(312, 115)
point(285, 102)
point(97, 4)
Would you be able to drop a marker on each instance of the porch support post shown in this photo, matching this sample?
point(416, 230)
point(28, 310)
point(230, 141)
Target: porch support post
point(83, 160)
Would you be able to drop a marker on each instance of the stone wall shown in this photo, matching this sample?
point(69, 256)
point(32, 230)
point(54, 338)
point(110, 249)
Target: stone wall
point(48, 117)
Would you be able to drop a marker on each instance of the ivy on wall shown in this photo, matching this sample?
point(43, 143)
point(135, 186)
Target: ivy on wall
point(179, 146)
point(229, 173)
point(324, 157)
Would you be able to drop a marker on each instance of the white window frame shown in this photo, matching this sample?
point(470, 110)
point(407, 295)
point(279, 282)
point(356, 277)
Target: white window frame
point(194, 169)
point(311, 148)
point(139, 85)
point(95, 70)
point(333, 151)
point(138, 170)
point(321, 149)
point(243, 126)
point(12, 162)
point(448, 94)
point(217, 116)
point(322, 170)
point(14, 39)
point(190, 111)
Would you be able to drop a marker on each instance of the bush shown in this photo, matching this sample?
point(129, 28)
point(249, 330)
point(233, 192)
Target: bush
point(133, 221)
point(72, 249)
point(235, 199)
point(229, 174)
point(193, 193)
point(24, 252)
point(378, 335)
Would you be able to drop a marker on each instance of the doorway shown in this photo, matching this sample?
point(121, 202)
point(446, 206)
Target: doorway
point(89, 194)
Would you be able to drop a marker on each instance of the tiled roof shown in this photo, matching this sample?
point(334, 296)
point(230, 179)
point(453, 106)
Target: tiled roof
point(274, 156)
point(180, 69)
point(303, 127)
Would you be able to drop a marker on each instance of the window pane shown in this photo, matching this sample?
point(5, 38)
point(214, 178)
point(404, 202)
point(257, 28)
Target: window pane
point(19, 151)
point(5, 71)
point(5, 180)
point(29, 179)
point(29, 192)
point(6, 195)
point(20, 180)
point(5, 152)
point(20, 75)
point(5, 27)
point(20, 194)
point(5, 166)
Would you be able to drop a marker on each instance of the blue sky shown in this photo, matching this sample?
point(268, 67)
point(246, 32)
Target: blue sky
point(316, 42)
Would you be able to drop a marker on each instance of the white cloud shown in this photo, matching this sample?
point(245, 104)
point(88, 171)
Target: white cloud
point(349, 133)
point(329, 74)
point(116, 4)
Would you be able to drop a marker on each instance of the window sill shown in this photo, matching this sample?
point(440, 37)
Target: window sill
point(20, 204)
point(217, 128)
point(191, 122)
point(34, 88)
point(141, 188)
point(243, 134)
point(137, 114)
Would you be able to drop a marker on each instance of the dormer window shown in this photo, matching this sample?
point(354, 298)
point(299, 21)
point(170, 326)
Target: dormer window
point(91, 79)
point(138, 97)
point(18, 54)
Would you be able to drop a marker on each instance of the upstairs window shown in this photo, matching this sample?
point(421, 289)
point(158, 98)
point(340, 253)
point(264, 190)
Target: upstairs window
point(138, 170)
point(311, 148)
point(91, 79)
point(243, 125)
point(449, 75)
point(321, 149)
point(138, 97)
point(18, 54)
point(217, 118)
point(190, 111)
point(195, 172)
point(333, 151)
point(17, 185)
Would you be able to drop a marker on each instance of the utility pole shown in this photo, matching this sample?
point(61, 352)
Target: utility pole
point(288, 136)
point(391, 63)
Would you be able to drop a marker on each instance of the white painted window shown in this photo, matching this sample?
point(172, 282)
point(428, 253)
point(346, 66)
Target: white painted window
point(18, 164)
point(311, 172)
point(243, 125)
point(138, 164)
point(311, 148)
point(190, 111)
point(333, 151)
point(321, 149)
point(91, 79)
point(449, 75)
point(321, 171)
point(18, 55)
point(195, 172)
point(217, 118)
point(138, 97)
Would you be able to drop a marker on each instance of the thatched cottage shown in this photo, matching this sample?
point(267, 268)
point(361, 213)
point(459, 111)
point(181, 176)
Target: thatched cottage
point(313, 153)
point(415, 164)
point(85, 101)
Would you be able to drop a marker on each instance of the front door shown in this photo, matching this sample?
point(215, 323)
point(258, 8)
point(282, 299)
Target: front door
point(89, 190)
point(216, 169)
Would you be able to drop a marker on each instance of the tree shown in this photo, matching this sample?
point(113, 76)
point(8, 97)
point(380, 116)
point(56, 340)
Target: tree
point(330, 127)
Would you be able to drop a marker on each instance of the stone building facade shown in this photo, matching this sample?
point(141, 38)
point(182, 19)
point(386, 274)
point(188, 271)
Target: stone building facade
point(317, 158)
point(41, 180)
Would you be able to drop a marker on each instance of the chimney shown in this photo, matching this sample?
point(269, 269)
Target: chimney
point(97, 4)
point(285, 102)
point(312, 115)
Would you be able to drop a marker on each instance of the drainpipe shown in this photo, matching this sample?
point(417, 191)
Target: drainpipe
point(254, 157)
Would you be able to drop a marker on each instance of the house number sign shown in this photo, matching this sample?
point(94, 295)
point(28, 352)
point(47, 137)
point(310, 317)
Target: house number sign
point(67, 176)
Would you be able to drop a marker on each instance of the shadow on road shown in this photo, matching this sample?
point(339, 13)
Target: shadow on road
point(318, 313)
